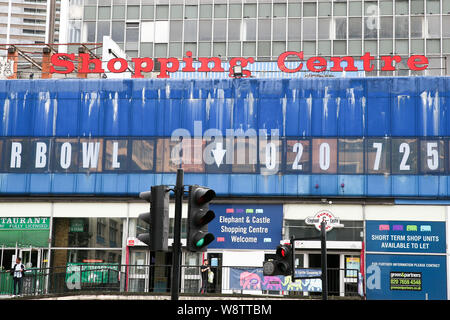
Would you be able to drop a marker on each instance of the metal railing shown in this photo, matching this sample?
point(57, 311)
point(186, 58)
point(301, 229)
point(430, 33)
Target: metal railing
point(153, 279)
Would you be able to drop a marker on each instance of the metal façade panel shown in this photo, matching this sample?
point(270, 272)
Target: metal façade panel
point(414, 107)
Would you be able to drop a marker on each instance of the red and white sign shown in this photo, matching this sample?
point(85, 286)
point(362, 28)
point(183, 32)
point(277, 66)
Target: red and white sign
point(323, 215)
point(131, 242)
point(65, 63)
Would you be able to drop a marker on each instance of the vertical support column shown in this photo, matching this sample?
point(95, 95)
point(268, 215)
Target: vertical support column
point(176, 246)
point(45, 73)
point(14, 56)
point(447, 226)
point(79, 74)
point(323, 240)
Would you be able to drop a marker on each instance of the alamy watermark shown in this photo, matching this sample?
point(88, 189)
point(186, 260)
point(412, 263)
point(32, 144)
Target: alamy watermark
point(237, 147)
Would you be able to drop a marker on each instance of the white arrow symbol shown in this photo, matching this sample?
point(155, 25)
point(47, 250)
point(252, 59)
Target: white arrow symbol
point(218, 153)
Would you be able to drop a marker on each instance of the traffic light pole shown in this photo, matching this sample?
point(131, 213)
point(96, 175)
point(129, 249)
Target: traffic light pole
point(176, 246)
point(323, 249)
point(323, 245)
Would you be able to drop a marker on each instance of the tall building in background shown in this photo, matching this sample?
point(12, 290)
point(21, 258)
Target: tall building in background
point(29, 21)
point(265, 28)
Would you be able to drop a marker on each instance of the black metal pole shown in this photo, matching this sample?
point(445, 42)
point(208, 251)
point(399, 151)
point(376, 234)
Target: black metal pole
point(323, 245)
point(176, 246)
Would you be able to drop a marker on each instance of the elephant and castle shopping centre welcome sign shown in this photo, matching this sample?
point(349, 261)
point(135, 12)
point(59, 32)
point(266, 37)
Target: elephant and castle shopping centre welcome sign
point(63, 63)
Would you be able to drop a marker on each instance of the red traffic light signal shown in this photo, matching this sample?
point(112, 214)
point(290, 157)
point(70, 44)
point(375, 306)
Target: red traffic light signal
point(283, 251)
point(282, 264)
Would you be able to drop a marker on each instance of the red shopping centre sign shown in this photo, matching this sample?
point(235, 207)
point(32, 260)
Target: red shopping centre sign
point(64, 63)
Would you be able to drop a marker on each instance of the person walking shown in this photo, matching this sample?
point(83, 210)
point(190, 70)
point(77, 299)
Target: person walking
point(204, 273)
point(17, 273)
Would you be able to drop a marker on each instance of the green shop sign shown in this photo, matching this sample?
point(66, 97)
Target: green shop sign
point(35, 223)
point(76, 225)
point(77, 273)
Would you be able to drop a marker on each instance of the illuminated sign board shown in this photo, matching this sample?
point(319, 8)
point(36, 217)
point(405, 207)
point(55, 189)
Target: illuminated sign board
point(246, 226)
point(406, 277)
point(234, 153)
point(64, 63)
point(406, 260)
point(405, 236)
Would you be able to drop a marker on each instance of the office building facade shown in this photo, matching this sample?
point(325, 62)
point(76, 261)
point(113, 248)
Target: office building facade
point(264, 29)
point(29, 21)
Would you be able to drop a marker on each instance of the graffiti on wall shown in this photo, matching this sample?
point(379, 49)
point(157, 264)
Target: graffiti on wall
point(253, 279)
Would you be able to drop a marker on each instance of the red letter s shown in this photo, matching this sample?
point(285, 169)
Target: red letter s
point(57, 61)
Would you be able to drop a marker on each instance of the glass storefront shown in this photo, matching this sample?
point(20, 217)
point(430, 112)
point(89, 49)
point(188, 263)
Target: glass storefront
point(86, 240)
point(352, 230)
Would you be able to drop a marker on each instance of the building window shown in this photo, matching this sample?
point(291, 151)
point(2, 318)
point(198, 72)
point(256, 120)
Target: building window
point(294, 9)
point(264, 29)
point(279, 30)
point(352, 231)
point(340, 27)
point(176, 12)
point(417, 7)
point(309, 9)
point(133, 12)
point(118, 12)
point(104, 13)
point(205, 11)
point(118, 31)
point(87, 232)
point(249, 10)
point(235, 11)
point(351, 156)
point(220, 30)
point(220, 11)
point(190, 30)
point(132, 31)
point(90, 13)
point(191, 12)
point(162, 12)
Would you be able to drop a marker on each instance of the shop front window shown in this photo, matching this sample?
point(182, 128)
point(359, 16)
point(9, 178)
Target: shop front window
point(352, 231)
point(87, 232)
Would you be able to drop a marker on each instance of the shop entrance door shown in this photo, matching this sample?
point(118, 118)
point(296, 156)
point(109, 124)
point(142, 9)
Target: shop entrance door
point(31, 257)
point(343, 269)
point(7, 258)
point(315, 261)
point(138, 270)
point(215, 261)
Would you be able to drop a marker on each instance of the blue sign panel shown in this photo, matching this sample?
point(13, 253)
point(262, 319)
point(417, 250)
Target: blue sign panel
point(406, 277)
point(246, 226)
point(405, 236)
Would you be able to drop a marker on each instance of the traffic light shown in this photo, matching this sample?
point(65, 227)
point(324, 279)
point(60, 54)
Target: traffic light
point(158, 218)
point(282, 264)
point(199, 215)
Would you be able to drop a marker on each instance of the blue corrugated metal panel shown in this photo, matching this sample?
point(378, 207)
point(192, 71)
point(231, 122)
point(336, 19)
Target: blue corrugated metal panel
point(345, 107)
point(405, 186)
point(63, 183)
point(422, 202)
point(379, 186)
